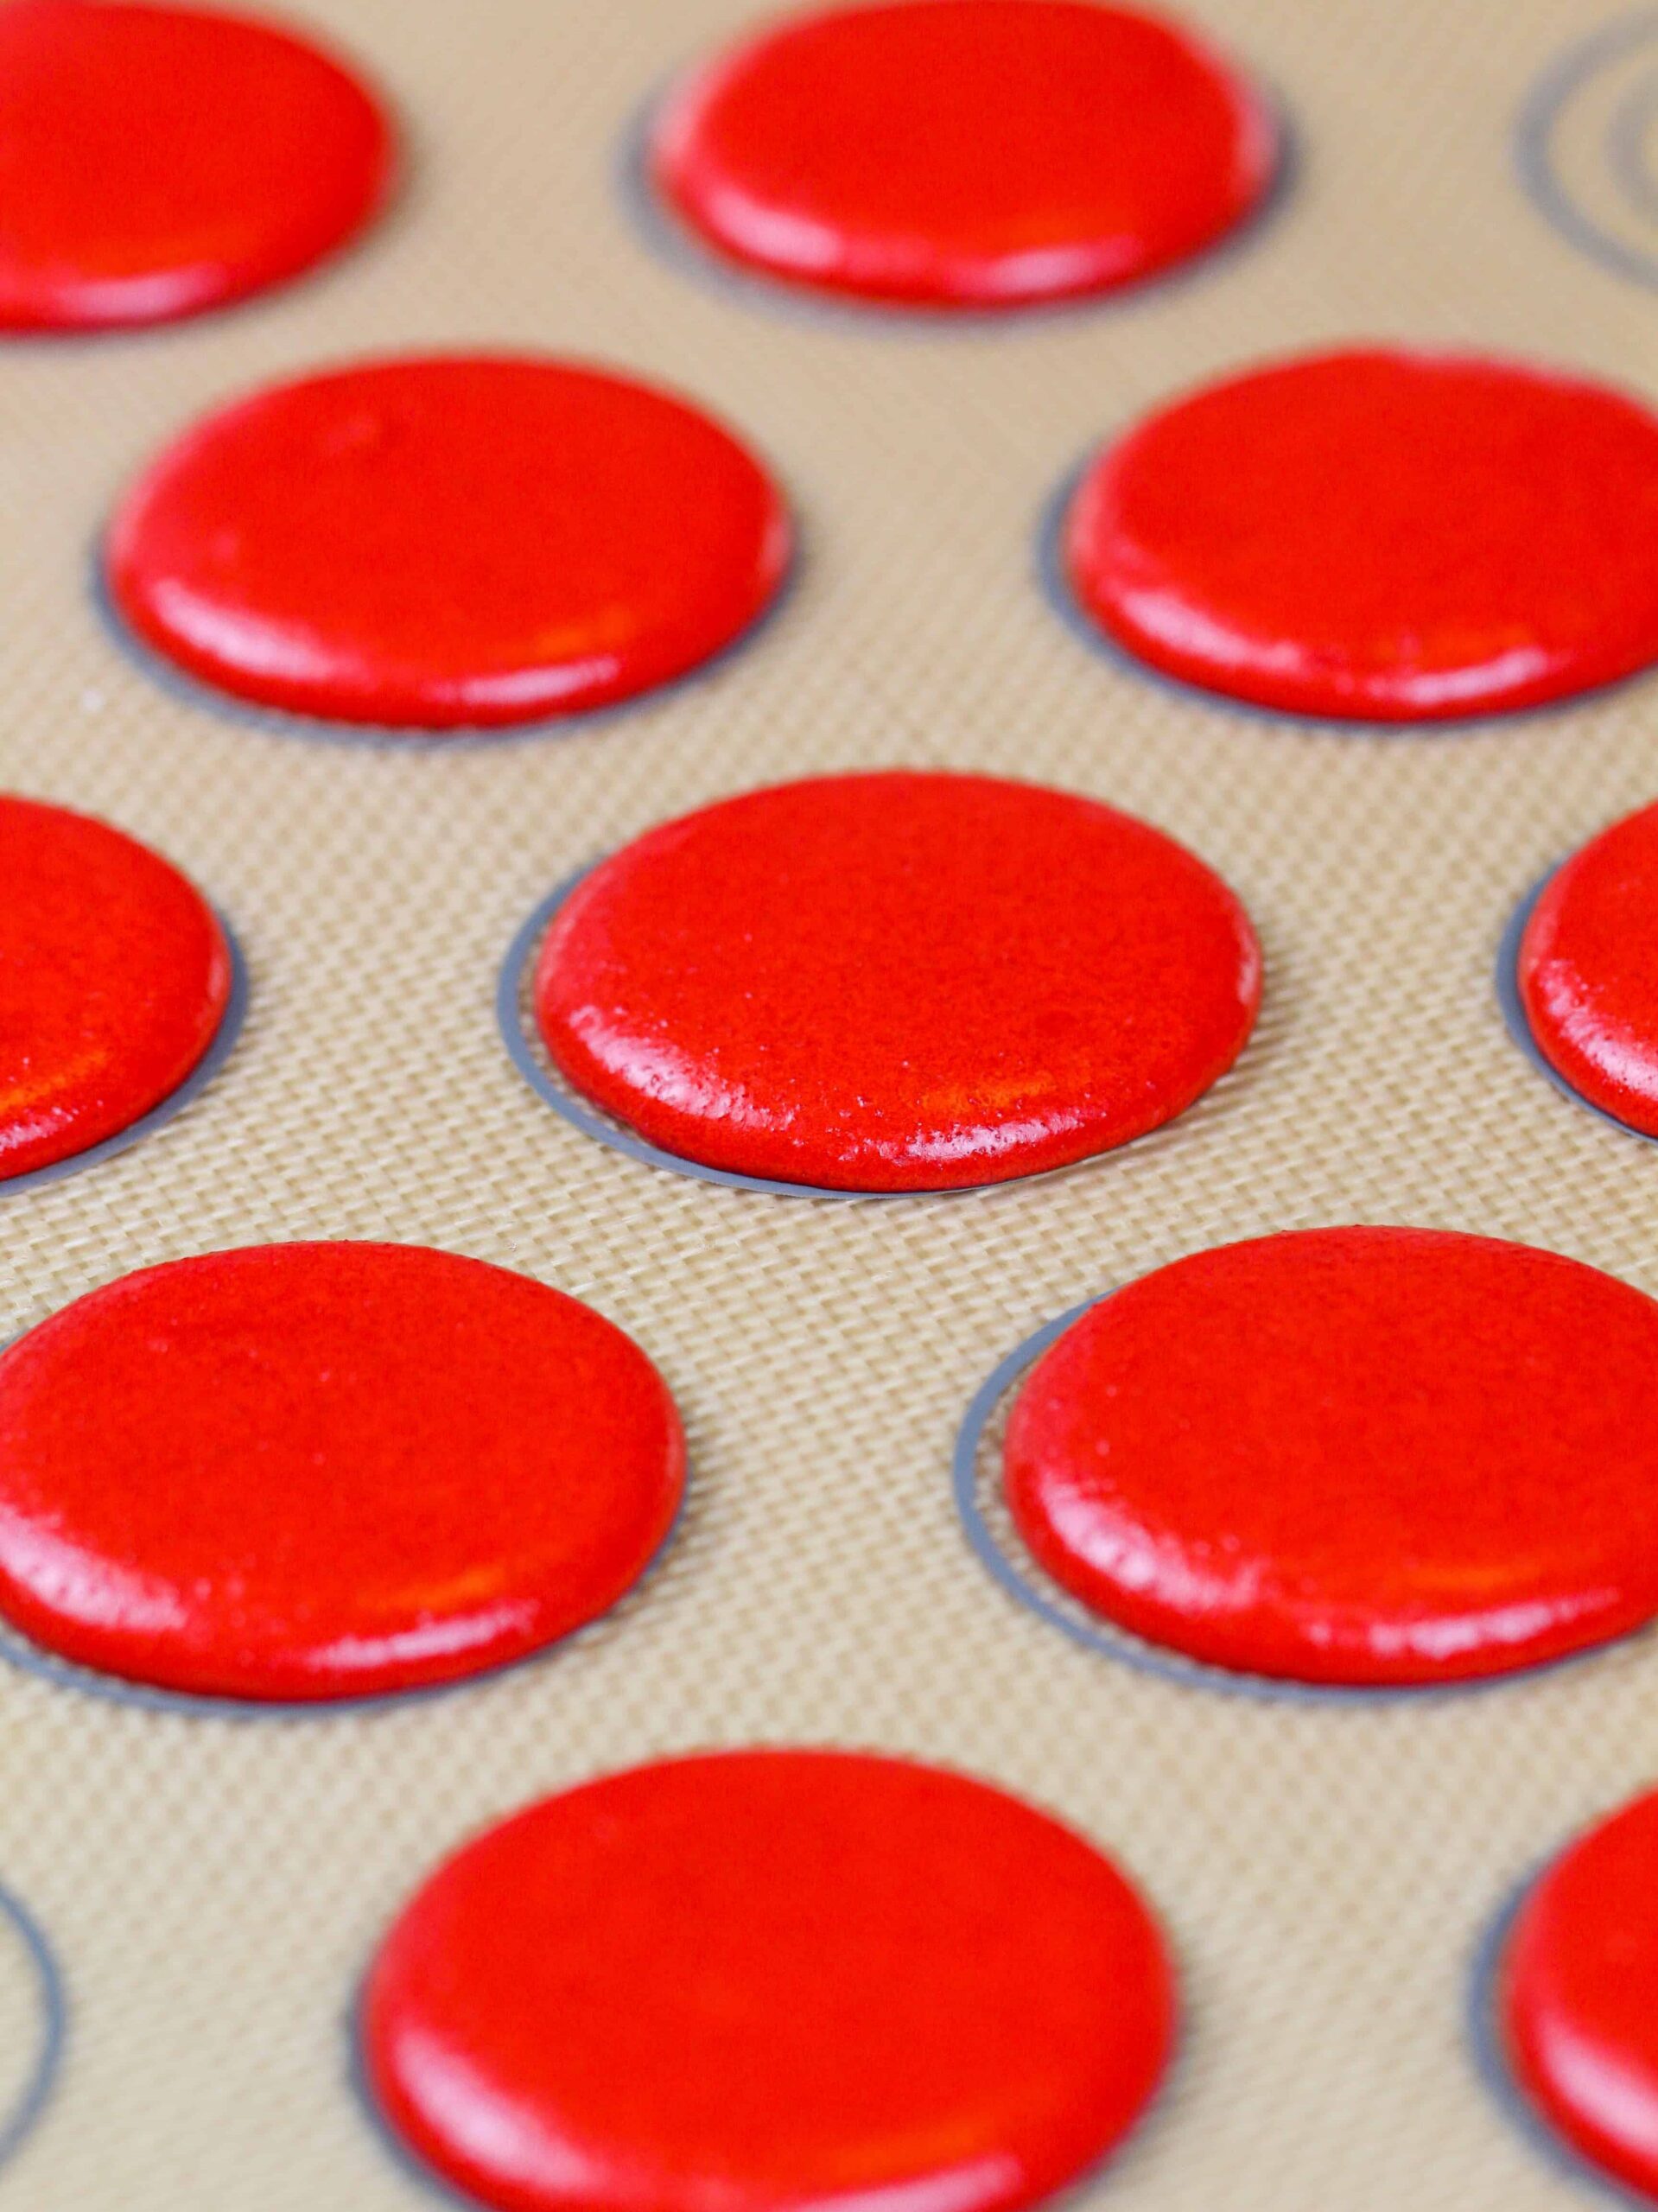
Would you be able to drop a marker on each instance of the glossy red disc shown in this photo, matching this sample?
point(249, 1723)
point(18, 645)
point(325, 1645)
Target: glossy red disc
point(319, 1471)
point(1393, 536)
point(1352, 1455)
point(965, 153)
point(898, 982)
point(449, 541)
point(114, 978)
point(156, 160)
point(1577, 1995)
point(1588, 971)
point(770, 1980)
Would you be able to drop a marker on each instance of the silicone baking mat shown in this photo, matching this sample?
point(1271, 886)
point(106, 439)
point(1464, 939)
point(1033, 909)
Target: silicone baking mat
point(212, 1887)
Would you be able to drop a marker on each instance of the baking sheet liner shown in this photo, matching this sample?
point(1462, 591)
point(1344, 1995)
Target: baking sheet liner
point(211, 1889)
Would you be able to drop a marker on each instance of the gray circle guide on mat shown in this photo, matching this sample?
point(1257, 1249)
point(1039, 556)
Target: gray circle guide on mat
point(207, 1068)
point(414, 739)
point(1520, 1029)
point(535, 1065)
point(52, 2012)
point(1625, 155)
point(671, 239)
point(1024, 1579)
point(29, 1657)
point(1483, 2029)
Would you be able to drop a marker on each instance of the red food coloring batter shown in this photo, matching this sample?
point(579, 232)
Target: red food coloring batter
point(114, 978)
point(1353, 1456)
point(1588, 971)
point(157, 161)
point(898, 982)
point(770, 1978)
point(1577, 1996)
point(319, 1470)
point(444, 542)
point(1387, 536)
point(965, 153)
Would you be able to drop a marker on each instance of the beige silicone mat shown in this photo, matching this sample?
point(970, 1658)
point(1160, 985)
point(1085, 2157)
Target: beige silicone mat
point(213, 1887)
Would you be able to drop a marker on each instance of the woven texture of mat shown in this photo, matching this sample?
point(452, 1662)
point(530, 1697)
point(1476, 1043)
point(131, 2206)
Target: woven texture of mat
point(213, 1887)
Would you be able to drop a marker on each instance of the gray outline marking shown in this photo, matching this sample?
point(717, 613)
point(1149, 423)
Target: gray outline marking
point(537, 1071)
point(1054, 583)
point(1628, 144)
point(401, 2154)
point(1514, 1014)
point(409, 2162)
point(16, 2125)
point(527, 1055)
point(1028, 1584)
point(1484, 2034)
point(659, 229)
point(219, 1048)
point(196, 692)
point(29, 1657)
point(1536, 127)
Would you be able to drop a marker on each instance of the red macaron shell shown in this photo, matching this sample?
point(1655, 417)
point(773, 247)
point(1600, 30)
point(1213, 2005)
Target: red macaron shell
point(902, 981)
point(769, 1979)
point(965, 153)
point(157, 161)
point(321, 1471)
point(447, 542)
point(1361, 1456)
point(1577, 1996)
point(1379, 535)
point(1587, 971)
point(114, 978)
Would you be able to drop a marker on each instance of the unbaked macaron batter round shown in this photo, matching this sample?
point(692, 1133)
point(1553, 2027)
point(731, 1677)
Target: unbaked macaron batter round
point(156, 161)
point(901, 981)
point(1361, 1456)
point(1587, 971)
point(770, 1978)
point(1379, 535)
point(964, 153)
point(321, 1471)
point(447, 540)
point(1577, 1996)
point(115, 976)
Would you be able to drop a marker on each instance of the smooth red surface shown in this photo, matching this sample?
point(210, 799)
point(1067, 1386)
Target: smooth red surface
point(156, 160)
point(316, 1471)
point(898, 982)
point(114, 978)
point(1577, 1995)
point(455, 540)
point(1352, 1455)
point(766, 1981)
point(1386, 536)
point(1588, 971)
point(965, 153)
